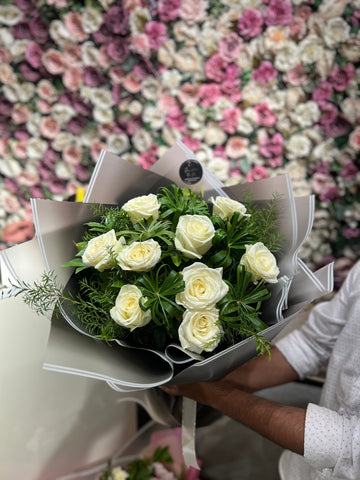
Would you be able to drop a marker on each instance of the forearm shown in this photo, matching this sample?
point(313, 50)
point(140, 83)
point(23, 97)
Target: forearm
point(262, 372)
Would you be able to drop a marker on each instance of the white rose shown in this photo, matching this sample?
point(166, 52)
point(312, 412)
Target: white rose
point(253, 93)
point(17, 49)
point(139, 17)
point(306, 114)
point(10, 15)
point(6, 37)
point(63, 140)
point(127, 311)
point(10, 167)
point(145, 206)
point(64, 170)
point(220, 168)
point(351, 109)
point(186, 33)
point(36, 148)
point(118, 473)
point(135, 107)
point(103, 115)
point(100, 251)
point(260, 262)
point(187, 59)
point(62, 113)
point(214, 135)
point(193, 235)
point(139, 256)
point(225, 207)
point(166, 53)
point(287, 58)
point(195, 117)
point(311, 49)
point(204, 287)
point(172, 79)
point(199, 330)
point(150, 89)
point(59, 33)
point(298, 146)
point(208, 41)
point(118, 143)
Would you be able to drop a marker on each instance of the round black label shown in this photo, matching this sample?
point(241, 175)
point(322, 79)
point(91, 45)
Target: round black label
point(191, 172)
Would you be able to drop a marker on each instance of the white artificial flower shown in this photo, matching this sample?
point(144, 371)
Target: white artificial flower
point(189, 34)
point(141, 140)
point(64, 170)
point(151, 89)
point(276, 100)
point(135, 107)
point(139, 17)
point(171, 79)
point(298, 146)
point(287, 58)
point(325, 64)
point(253, 93)
point(351, 49)
point(306, 114)
point(245, 127)
point(351, 109)
point(276, 38)
point(10, 167)
point(193, 235)
point(6, 37)
point(91, 20)
point(103, 115)
point(118, 143)
point(219, 106)
point(311, 49)
point(59, 33)
point(260, 262)
point(220, 168)
point(214, 134)
point(62, 113)
point(170, 135)
point(293, 96)
point(36, 147)
point(187, 59)
point(200, 331)
point(127, 311)
point(18, 49)
point(204, 287)
point(10, 15)
point(195, 117)
point(336, 31)
point(101, 97)
point(63, 140)
point(154, 117)
point(139, 256)
point(326, 150)
point(142, 207)
point(89, 54)
point(166, 53)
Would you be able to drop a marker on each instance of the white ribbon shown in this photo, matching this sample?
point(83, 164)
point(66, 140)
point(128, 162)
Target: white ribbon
point(188, 432)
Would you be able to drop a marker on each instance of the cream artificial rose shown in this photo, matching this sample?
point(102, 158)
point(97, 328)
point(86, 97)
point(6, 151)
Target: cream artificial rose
point(260, 262)
point(145, 206)
point(100, 251)
point(224, 207)
point(139, 256)
point(204, 287)
point(127, 311)
point(193, 235)
point(199, 331)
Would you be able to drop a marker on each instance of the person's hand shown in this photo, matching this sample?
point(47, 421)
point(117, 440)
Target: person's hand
point(202, 392)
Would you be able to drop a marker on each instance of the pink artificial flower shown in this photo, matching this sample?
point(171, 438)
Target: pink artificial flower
point(219, 151)
point(354, 139)
point(104, 59)
point(329, 112)
point(278, 12)
point(250, 24)
point(116, 75)
point(19, 149)
point(166, 102)
point(46, 91)
point(20, 114)
point(82, 173)
point(27, 179)
point(39, 29)
point(349, 233)
point(168, 10)
point(73, 55)
point(209, 93)
point(265, 116)
point(298, 28)
point(349, 170)
point(54, 61)
point(192, 143)
point(30, 74)
point(72, 155)
point(76, 125)
point(95, 149)
point(43, 106)
point(215, 68)
point(264, 73)
point(148, 158)
point(73, 23)
point(231, 90)
point(93, 77)
point(230, 120)
point(341, 78)
point(322, 92)
point(271, 147)
point(49, 128)
point(229, 47)
point(175, 119)
point(4, 142)
point(33, 54)
point(73, 78)
point(18, 232)
point(276, 162)
point(5, 55)
point(324, 186)
point(118, 50)
point(10, 203)
point(57, 186)
point(337, 128)
point(193, 11)
point(116, 20)
point(236, 147)
point(156, 33)
point(304, 12)
point(257, 173)
point(140, 43)
point(188, 94)
point(132, 83)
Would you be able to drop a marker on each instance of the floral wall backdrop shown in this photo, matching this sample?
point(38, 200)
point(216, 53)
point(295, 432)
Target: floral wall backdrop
point(255, 87)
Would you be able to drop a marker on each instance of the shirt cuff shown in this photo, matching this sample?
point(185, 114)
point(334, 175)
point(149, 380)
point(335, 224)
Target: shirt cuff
point(323, 437)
